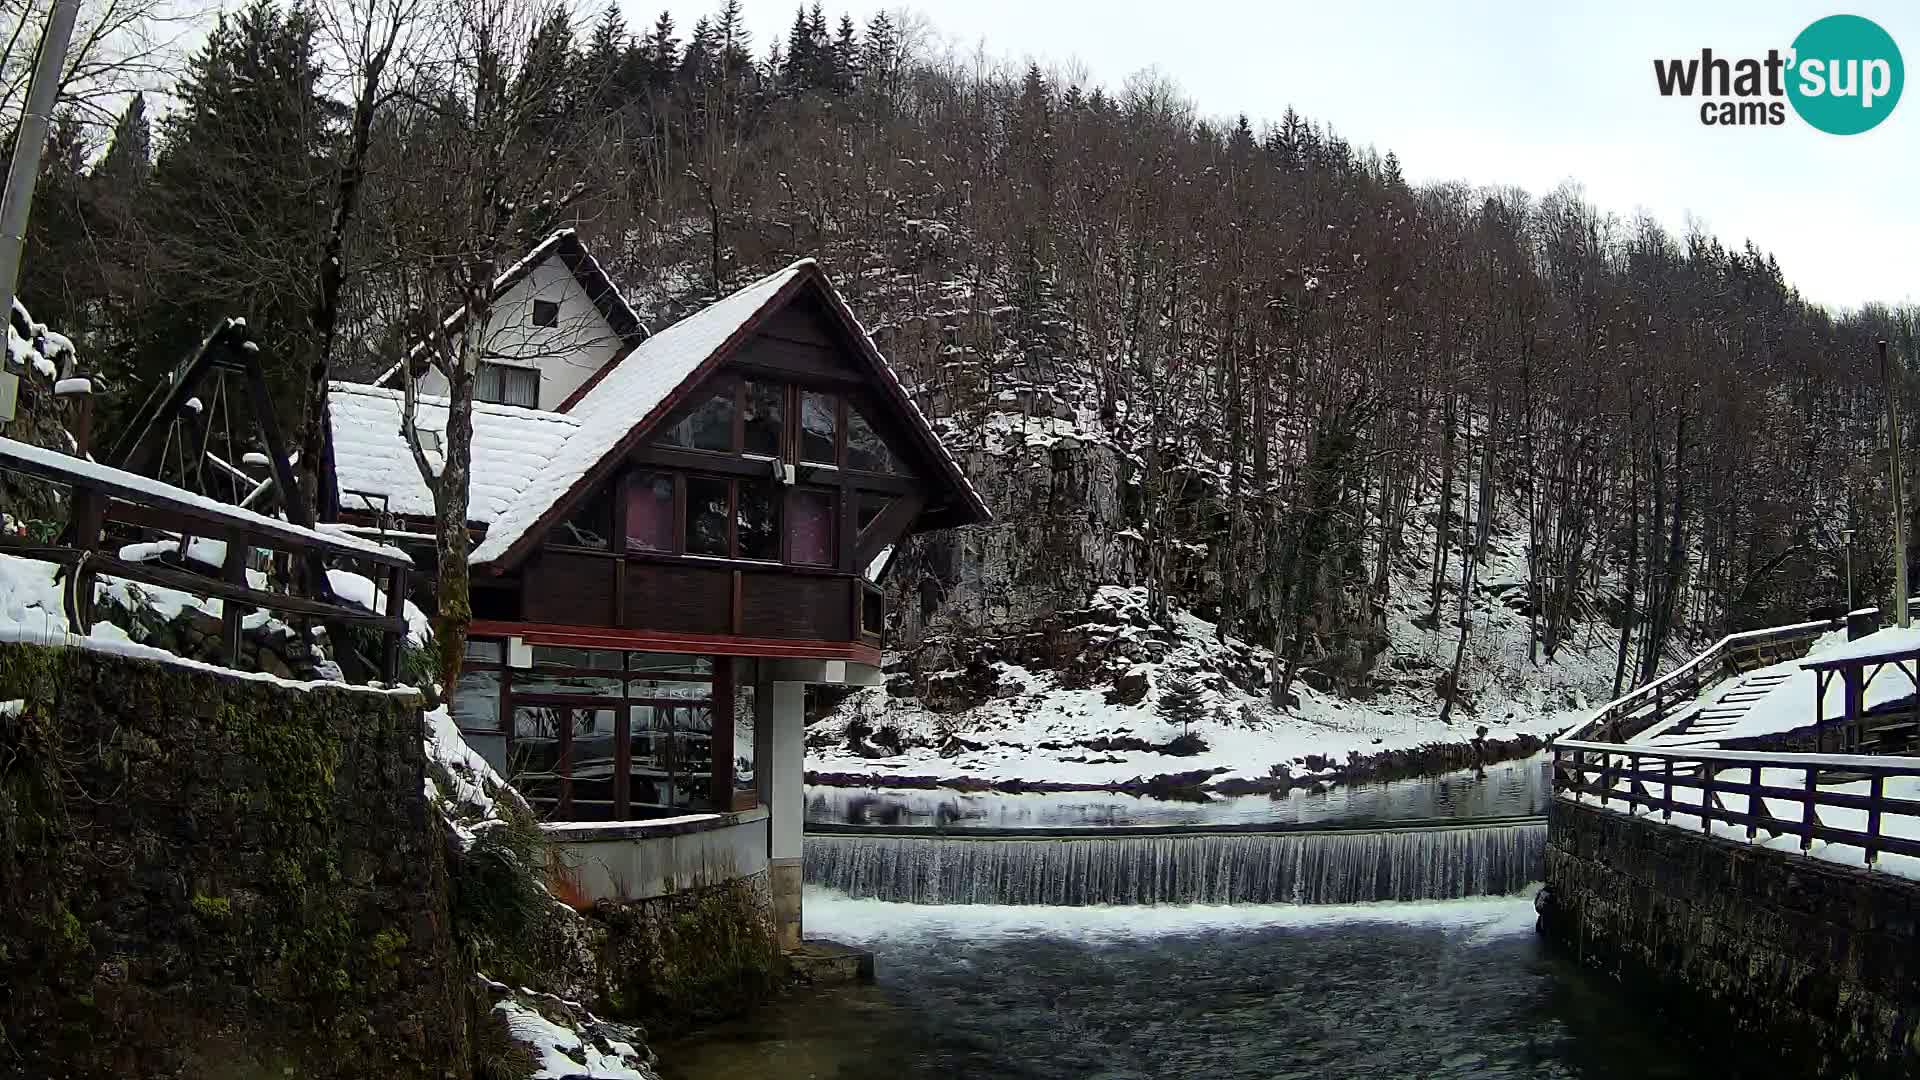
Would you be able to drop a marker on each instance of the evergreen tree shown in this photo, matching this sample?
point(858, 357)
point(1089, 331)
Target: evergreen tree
point(662, 52)
point(550, 76)
point(879, 54)
point(53, 284)
point(736, 44)
point(129, 156)
point(702, 58)
point(846, 57)
point(1180, 703)
point(234, 217)
point(604, 69)
point(802, 52)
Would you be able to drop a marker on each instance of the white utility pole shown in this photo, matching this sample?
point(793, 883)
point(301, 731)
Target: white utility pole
point(1899, 494)
point(29, 143)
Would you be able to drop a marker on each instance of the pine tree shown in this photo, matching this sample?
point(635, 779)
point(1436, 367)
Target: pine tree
point(702, 57)
point(550, 76)
point(662, 51)
point(736, 44)
point(1180, 703)
point(798, 77)
point(846, 57)
point(129, 156)
point(878, 54)
point(232, 223)
point(604, 65)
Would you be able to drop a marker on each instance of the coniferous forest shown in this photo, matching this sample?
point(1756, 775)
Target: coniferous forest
point(1241, 362)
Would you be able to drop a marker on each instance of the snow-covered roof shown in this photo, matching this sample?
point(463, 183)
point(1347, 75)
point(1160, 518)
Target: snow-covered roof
point(371, 460)
point(528, 461)
point(1891, 643)
point(625, 396)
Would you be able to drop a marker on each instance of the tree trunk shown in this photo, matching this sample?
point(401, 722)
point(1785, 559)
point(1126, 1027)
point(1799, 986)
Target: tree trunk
point(454, 613)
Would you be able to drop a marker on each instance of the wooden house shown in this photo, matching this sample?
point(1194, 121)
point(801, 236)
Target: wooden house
point(675, 532)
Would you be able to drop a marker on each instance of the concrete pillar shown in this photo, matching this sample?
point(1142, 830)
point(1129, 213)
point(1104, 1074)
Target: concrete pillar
point(779, 769)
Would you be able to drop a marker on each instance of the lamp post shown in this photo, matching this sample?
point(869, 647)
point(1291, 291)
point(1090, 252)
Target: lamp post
point(1899, 494)
point(1847, 536)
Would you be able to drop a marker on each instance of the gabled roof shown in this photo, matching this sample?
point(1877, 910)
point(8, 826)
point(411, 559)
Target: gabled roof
point(635, 392)
point(566, 246)
point(374, 469)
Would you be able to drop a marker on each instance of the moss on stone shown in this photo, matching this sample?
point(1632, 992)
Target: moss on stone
point(690, 956)
point(128, 788)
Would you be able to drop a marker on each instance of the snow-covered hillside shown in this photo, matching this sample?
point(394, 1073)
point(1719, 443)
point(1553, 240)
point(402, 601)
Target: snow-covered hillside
point(1098, 720)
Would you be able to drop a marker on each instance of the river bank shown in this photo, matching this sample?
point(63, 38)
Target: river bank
point(1315, 772)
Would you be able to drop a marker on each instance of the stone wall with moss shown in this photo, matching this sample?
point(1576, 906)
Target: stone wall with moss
point(1816, 965)
point(216, 877)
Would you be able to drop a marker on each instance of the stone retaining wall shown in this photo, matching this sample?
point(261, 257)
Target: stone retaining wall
point(212, 876)
point(1810, 962)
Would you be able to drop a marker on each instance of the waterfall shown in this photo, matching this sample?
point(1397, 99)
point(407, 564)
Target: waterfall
point(1336, 867)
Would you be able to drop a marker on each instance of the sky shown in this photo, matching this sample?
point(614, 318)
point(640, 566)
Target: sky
point(1531, 94)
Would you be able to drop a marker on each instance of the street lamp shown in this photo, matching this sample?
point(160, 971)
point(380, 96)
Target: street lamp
point(1847, 536)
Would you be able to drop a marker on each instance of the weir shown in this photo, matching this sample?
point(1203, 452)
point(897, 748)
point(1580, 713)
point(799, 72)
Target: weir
point(1427, 861)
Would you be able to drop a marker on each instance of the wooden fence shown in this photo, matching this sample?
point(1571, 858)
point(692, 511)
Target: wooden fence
point(101, 495)
point(1645, 778)
point(1635, 712)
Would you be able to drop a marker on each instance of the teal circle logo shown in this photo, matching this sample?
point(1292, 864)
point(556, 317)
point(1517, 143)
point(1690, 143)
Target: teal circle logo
point(1846, 76)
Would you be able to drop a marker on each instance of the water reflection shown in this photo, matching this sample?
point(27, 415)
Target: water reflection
point(1505, 789)
point(1455, 991)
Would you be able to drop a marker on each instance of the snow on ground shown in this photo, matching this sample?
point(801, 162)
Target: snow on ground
point(32, 610)
point(1246, 738)
point(562, 1053)
point(834, 915)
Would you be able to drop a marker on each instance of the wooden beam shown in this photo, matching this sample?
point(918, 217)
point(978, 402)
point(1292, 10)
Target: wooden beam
point(888, 528)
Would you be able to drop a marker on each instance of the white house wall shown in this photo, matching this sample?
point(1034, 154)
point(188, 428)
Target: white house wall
point(566, 354)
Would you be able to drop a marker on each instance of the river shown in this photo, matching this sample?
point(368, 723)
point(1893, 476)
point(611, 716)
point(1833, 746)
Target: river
point(1447, 989)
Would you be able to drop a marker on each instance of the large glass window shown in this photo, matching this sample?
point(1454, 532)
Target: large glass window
point(819, 419)
point(766, 411)
point(600, 734)
point(650, 512)
point(866, 450)
point(743, 778)
point(759, 520)
point(708, 503)
point(709, 426)
point(810, 527)
point(590, 524)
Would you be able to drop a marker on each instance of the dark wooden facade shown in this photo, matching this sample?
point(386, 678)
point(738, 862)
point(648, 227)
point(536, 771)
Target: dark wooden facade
point(676, 591)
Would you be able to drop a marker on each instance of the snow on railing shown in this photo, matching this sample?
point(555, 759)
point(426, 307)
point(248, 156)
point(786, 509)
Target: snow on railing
point(102, 494)
point(1686, 679)
point(1781, 794)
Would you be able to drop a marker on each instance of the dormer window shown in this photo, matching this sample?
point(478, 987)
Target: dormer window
point(502, 384)
point(546, 313)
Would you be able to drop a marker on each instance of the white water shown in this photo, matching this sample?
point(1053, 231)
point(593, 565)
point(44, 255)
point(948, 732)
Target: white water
point(1273, 868)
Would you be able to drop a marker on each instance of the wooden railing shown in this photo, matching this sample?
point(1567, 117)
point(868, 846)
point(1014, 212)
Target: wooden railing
point(102, 494)
point(1645, 778)
point(1635, 712)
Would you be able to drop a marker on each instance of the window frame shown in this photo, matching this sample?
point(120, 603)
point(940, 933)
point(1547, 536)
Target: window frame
point(505, 369)
point(719, 677)
point(550, 307)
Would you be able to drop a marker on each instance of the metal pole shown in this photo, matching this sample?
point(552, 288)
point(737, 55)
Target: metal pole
point(28, 144)
point(1899, 494)
point(1848, 535)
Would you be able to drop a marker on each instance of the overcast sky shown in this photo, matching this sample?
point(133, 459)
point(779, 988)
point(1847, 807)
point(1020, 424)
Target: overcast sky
point(1525, 93)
